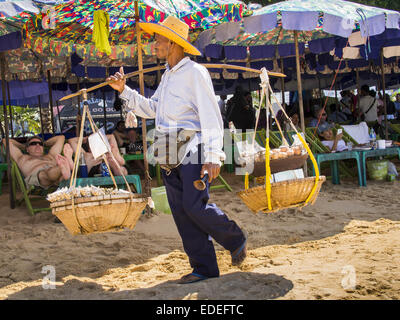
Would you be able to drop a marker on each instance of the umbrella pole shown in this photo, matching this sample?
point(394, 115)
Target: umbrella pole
point(41, 118)
point(384, 94)
point(283, 83)
point(299, 84)
point(358, 90)
point(147, 187)
point(300, 89)
point(336, 95)
point(79, 96)
point(59, 116)
point(3, 88)
point(51, 101)
point(78, 123)
point(320, 91)
point(10, 108)
point(104, 111)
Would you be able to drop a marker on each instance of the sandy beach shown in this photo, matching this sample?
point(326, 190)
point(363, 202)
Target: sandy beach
point(346, 246)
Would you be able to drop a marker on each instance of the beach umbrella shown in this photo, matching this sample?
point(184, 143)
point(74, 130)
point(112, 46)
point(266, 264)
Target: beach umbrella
point(196, 13)
point(69, 38)
point(74, 26)
point(335, 17)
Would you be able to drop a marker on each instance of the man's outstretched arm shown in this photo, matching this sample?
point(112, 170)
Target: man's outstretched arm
point(140, 105)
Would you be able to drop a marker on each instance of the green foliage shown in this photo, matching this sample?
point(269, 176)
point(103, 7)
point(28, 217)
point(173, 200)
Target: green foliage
point(21, 116)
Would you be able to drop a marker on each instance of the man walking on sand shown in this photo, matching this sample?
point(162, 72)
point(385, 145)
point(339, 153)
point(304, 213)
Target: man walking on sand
point(185, 100)
point(40, 169)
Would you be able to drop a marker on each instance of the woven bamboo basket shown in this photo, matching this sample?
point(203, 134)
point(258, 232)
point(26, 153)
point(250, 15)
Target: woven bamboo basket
point(100, 213)
point(285, 194)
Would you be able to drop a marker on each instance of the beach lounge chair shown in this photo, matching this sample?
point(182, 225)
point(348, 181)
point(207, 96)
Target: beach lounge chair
point(29, 194)
point(358, 133)
point(3, 169)
point(322, 154)
point(3, 166)
point(395, 127)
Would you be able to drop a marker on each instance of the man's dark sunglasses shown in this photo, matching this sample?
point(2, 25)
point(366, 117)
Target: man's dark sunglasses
point(34, 143)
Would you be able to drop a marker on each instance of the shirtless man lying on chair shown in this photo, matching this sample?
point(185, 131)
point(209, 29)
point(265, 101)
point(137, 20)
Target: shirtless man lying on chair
point(40, 169)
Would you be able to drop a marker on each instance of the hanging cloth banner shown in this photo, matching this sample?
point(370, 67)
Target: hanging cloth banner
point(101, 31)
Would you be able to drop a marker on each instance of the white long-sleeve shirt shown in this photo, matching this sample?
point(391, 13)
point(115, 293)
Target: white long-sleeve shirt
point(185, 99)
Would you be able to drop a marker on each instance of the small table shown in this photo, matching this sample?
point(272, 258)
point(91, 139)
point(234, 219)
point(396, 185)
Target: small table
point(334, 157)
point(364, 154)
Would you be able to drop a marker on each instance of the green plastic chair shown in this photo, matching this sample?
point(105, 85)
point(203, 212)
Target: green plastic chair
point(319, 150)
point(3, 169)
point(275, 138)
point(29, 194)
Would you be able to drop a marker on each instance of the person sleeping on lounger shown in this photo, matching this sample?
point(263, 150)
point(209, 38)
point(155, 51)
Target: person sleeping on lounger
point(41, 169)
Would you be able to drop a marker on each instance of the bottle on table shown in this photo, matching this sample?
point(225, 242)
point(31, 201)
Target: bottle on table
point(104, 170)
point(83, 167)
point(372, 138)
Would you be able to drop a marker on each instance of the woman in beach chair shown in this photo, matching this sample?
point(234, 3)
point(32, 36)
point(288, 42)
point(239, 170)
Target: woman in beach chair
point(328, 139)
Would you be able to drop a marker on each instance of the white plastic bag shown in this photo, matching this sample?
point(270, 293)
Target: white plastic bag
point(99, 144)
point(392, 169)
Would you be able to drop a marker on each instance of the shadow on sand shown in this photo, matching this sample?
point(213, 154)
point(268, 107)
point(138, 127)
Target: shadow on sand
point(233, 286)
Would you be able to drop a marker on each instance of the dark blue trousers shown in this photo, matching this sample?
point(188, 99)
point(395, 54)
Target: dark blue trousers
point(196, 220)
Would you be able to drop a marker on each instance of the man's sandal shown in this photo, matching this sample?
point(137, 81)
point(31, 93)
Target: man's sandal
point(191, 278)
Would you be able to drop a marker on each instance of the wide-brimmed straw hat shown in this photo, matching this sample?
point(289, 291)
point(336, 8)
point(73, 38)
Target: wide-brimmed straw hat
point(173, 29)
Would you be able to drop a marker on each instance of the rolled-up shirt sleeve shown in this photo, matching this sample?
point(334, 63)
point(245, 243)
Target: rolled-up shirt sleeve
point(212, 129)
point(140, 105)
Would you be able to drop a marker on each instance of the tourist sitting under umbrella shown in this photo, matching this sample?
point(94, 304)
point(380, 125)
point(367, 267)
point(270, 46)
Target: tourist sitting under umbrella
point(41, 169)
point(320, 118)
point(329, 139)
